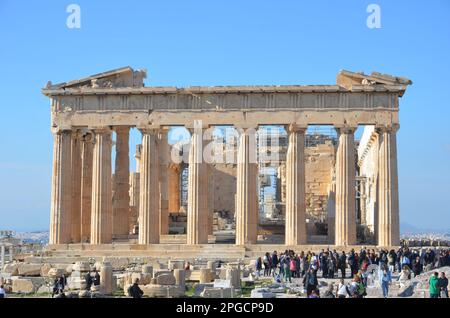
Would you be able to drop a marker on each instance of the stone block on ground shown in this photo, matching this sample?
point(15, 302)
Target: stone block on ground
point(29, 269)
point(212, 292)
point(262, 293)
point(163, 291)
point(23, 286)
point(165, 279)
point(12, 268)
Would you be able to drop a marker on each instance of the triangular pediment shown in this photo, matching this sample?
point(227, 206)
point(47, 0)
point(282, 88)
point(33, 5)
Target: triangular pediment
point(120, 77)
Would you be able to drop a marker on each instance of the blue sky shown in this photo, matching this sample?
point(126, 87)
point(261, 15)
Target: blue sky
point(184, 43)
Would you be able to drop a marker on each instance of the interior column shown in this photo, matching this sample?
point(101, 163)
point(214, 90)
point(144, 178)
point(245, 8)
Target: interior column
point(246, 196)
point(197, 212)
point(121, 187)
point(295, 233)
point(345, 229)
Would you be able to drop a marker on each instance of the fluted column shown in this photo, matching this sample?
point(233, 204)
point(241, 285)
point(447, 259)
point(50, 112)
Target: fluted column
point(210, 201)
point(76, 186)
point(101, 210)
point(295, 232)
point(121, 186)
point(345, 229)
point(197, 212)
point(174, 187)
point(246, 196)
point(149, 188)
point(87, 149)
point(61, 204)
point(163, 180)
point(388, 207)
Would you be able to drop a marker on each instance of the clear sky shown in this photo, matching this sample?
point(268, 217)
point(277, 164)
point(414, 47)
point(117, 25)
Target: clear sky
point(224, 42)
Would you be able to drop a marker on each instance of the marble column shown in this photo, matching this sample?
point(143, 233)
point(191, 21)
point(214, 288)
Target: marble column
point(197, 212)
point(388, 206)
point(61, 198)
point(101, 210)
point(163, 144)
point(295, 233)
point(2, 256)
point(246, 196)
point(87, 149)
point(76, 186)
point(210, 201)
point(174, 187)
point(121, 186)
point(149, 188)
point(345, 228)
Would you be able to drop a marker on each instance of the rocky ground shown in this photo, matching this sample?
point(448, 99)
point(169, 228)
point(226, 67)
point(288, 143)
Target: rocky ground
point(169, 279)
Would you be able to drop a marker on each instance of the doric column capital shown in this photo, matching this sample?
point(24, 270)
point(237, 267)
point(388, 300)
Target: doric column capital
point(196, 124)
point(392, 128)
point(76, 133)
point(88, 137)
point(296, 128)
point(345, 129)
point(101, 129)
point(245, 126)
point(121, 129)
point(60, 129)
point(152, 130)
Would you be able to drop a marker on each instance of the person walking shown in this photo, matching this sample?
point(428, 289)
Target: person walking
point(434, 285)
point(286, 269)
point(88, 279)
point(310, 281)
point(293, 267)
point(443, 285)
point(385, 280)
point(134, 290)
point(274, 263)
point(258, 266)
point(267, 266)
point(342, 263)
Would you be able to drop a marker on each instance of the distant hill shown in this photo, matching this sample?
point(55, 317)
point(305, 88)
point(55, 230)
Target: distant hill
point(406, 228)
point(32, 237)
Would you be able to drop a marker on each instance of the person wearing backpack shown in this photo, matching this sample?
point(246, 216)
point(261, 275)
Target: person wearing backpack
point(267, 266)
point(134, 290)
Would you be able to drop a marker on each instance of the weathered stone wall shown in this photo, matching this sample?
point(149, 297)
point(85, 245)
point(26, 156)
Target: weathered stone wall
point(319, 162)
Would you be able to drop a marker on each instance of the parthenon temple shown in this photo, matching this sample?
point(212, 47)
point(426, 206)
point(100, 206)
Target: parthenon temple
point(328, 188)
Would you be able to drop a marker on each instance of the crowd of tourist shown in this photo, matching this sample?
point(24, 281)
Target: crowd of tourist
point(332, 264)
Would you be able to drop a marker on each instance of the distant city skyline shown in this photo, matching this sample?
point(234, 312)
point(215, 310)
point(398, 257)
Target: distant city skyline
point(251, 42)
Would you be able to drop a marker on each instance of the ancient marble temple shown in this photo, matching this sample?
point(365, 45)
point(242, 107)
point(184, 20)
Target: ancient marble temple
point(90, 203)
